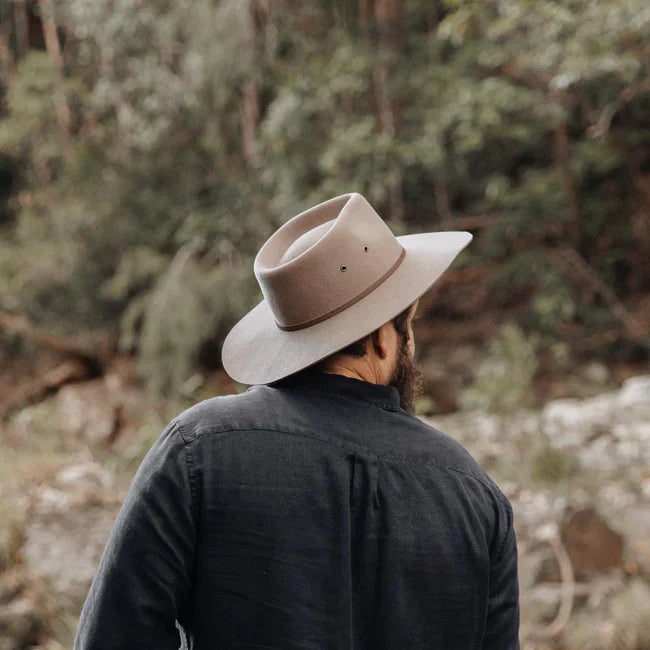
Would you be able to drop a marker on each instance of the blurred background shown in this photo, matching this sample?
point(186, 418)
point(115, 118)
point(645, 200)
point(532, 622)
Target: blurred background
point(149, 147)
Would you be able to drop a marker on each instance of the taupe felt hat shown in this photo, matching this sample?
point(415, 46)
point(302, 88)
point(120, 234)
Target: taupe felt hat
point(329, 276)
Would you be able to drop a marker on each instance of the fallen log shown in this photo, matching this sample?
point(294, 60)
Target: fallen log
point(19, 324)
point(38, 388)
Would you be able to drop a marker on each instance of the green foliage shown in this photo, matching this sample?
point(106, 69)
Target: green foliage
point(551, 466)
point(503, 381)
point(185, 308)
point(31, 95)
point(212, 123)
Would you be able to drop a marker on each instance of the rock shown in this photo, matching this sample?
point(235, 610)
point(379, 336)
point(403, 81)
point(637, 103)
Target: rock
point(64, 541)
point(591, 544)
point(23, 613)
point(20, 624)
point(570, 422)
point(609, 433)
point(635, 520)
point(87, 476)
point(635, 392)
point(69, 524)
point(88, 410)
point(534, 509)
point(600, 456)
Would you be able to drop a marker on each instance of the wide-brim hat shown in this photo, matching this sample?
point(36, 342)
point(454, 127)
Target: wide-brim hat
point(329, 276)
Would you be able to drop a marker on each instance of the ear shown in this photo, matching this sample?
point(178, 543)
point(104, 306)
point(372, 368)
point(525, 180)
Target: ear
point(380, 340)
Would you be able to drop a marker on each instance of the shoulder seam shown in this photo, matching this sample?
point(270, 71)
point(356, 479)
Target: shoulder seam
point(189, 465)
point(182, 431)
point(353, 449)
point(505, 534)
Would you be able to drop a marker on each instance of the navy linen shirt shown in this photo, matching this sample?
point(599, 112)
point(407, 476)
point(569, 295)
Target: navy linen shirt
point(312, 513)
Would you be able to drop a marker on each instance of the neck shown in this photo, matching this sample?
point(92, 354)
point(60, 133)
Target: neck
point(355, 369)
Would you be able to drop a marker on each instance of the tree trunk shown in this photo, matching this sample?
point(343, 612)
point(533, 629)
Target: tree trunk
point(563, 156)
point(20, 28)
point(54, 50)
point(249, 107)
point(250, 117)
point(387, 39)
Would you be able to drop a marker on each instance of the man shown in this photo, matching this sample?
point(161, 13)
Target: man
point(362, 360)
point(314, 511)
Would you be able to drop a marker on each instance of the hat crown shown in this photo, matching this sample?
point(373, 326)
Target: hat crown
point(305, 241)
point(325, 259)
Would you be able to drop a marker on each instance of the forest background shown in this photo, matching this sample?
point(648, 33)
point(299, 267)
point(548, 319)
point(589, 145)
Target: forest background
point(148, 149)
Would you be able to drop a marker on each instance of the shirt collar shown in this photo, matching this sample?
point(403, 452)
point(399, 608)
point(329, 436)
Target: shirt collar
point(311, 378)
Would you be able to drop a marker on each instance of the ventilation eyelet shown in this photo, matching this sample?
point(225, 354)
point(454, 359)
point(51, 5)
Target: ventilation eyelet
point(365, 249)
point(344, 267)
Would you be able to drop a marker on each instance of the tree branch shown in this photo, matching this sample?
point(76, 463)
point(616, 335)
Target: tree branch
point(20, 325)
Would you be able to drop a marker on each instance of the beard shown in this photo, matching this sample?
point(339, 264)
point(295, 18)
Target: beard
point(408, 378)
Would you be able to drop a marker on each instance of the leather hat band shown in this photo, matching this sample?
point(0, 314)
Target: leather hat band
point(345, 305)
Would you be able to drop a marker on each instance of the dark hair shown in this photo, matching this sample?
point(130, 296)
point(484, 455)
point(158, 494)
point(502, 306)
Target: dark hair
point(358, 348)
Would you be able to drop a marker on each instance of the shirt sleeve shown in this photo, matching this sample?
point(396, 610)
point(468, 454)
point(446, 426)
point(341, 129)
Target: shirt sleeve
point(144, 575)
point(502, 625)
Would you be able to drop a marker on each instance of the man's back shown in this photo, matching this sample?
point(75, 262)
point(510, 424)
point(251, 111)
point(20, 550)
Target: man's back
point(313, 513)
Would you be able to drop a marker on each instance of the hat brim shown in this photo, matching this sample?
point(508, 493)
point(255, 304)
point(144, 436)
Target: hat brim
point(257, 351)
